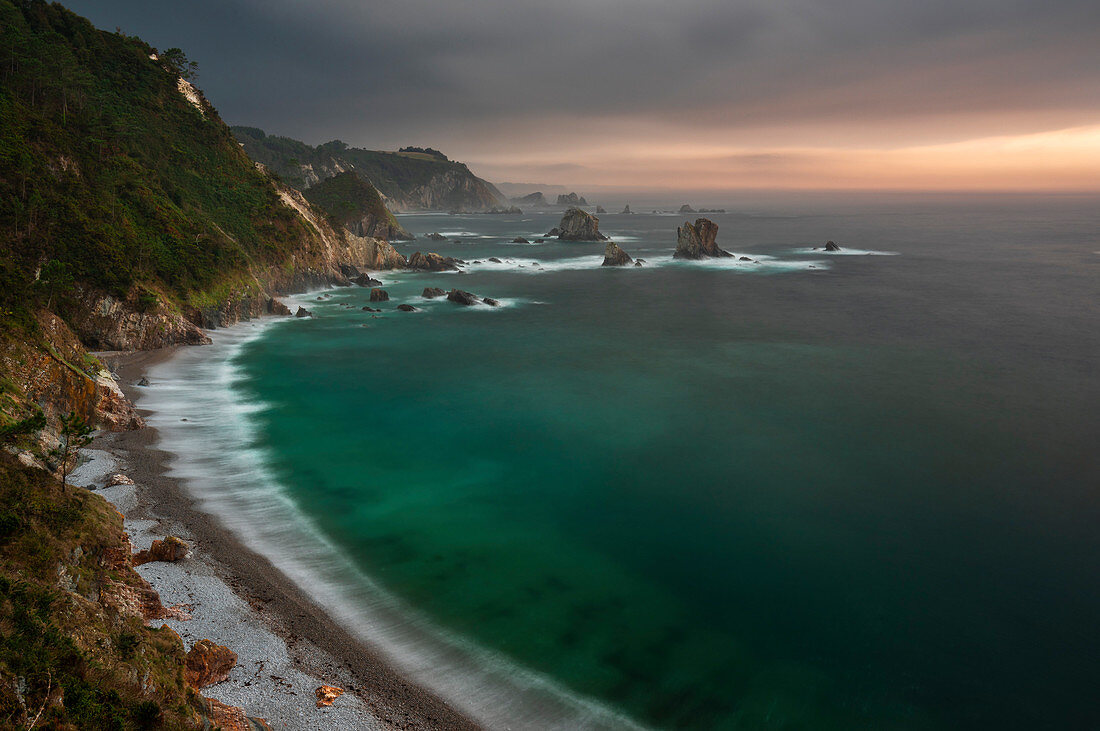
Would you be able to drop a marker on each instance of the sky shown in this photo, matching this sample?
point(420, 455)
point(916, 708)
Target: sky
point(694, 94)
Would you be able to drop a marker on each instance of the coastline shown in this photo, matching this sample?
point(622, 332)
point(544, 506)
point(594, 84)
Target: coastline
point(235, 595)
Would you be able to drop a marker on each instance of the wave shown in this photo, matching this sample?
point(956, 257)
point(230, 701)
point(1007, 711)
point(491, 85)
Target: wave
point(205, 421)
point(756, 263)
point(819, 251)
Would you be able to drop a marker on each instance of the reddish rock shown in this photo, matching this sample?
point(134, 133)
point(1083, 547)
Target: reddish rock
point(698, 241)
point(327, 694)
point(432, 262)
point(379, 295)
point(208, 663)
point(231, 718)
point(170, 550)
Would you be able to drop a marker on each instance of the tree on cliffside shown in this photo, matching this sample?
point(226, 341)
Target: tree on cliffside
point(176, 61)
point(74, 433)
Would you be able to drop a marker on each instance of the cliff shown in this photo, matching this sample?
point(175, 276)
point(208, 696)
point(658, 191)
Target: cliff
point(408, 181)
point(356, 205)
point(130, 218)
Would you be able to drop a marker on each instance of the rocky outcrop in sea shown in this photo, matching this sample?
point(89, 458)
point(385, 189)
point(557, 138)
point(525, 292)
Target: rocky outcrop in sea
point(571, 199)
point(697, 241)
point(614, 256)
point(578, 225)
point(432, 262)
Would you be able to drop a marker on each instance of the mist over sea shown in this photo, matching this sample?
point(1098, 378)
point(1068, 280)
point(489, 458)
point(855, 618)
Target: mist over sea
point(810, 490)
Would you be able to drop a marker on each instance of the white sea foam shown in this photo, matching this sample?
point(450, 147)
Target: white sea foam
point(226, 471)
point(844, 251)
point(757, 263)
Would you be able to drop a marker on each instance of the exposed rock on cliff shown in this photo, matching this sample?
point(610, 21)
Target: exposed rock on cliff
point(571, 199)
point(614, 256)
point(356, 205)
point(432, 262)
point(208, 663)
point(578, 225)
point(697, 241)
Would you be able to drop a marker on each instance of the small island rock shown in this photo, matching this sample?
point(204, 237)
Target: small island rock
point(460, 297)
point(831, 246)
point(578, 225)
point(614, 256)
point(697, 241)
point(432, 262)
point(432, 293)
point(379, 295)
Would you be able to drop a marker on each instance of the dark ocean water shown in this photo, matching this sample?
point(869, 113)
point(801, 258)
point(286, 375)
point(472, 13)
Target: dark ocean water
point(820, 491)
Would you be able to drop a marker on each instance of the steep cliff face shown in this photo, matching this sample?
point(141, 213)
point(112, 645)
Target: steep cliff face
point(355, 205)
point(408, 181)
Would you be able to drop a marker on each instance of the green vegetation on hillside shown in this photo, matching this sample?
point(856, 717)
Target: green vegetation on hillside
point(347, 198)
point(66, 656)
point(397, 175)
point(109, 171)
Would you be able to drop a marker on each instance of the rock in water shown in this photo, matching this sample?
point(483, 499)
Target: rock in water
point(379, 295)
point(697, 241)
point(208, 663)
point(366, 280)
point(686, 209)
point(578, 225)
point(520, 240)
point(627, 211)
point(831, 246)
point(303, 312)
point(406, 308)
point(613, 256)
point(600, 209)
point(432, 262)
point(275, 307)
point(143, 382)
point(436, 237)
point(490, 301)
point(462, 298)
point(432, 293)
point(554, 232)
point(572, 200)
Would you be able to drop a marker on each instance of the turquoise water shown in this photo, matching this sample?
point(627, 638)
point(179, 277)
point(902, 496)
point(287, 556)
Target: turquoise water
point(817, 491)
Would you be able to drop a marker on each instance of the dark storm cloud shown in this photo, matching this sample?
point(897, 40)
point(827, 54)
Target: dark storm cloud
point(420, 71)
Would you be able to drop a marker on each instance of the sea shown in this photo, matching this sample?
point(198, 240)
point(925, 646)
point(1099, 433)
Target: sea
point(799, 490)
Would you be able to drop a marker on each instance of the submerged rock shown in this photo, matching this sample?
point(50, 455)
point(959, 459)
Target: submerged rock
point(614, 256)
point(831, 246)
point(520, 240)
point(578, 225)
point(697, 241)
point(370, 309)
point(433, 292)
point(208, 663)
point(379, 295)
point(490, 301)
point(406, 308)
point(459, 297)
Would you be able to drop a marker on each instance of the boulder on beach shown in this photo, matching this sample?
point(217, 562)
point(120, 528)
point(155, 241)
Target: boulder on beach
point(697, 241)
point(614, 256)
point(208, 663)
point(327, 694)
point(379, 295)
point(118, 479)
point(169, 550)
point(433, 292)
point(406, 308)
point(303, 312)
point(432, 262)
point(831, 246)
point(578, 225)
point(459, 297)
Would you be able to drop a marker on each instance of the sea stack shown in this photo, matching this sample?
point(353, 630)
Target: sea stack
point(578, 225)
point(614, 256)
point(831, 246)
point(686, 209)
point(627, 211)
point(697, 241)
